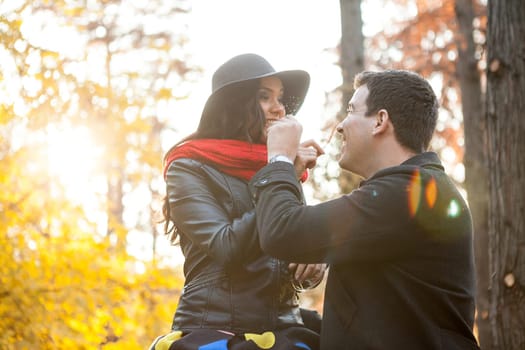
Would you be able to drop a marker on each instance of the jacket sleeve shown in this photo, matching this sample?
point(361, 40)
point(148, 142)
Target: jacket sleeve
point(198, 214)
point(371, 223)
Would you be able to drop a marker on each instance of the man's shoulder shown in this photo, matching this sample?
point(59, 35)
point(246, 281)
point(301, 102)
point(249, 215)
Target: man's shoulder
point(417, 165)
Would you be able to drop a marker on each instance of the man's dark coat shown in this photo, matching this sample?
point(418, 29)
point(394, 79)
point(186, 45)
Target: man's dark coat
point(400, 253)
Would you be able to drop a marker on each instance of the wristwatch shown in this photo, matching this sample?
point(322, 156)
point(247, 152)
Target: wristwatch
point(280, 158)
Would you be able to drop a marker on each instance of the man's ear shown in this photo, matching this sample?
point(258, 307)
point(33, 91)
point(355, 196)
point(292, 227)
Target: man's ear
point(381, 122)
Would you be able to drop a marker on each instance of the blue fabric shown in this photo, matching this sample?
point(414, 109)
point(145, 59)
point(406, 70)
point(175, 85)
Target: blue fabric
point(216, 345)
point(303, 346)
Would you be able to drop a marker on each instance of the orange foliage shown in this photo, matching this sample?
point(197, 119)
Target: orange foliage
point(64, 282)
point(428, 44)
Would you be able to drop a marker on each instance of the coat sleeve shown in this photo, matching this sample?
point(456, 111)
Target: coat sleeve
point(198, 214)
point(371, 223)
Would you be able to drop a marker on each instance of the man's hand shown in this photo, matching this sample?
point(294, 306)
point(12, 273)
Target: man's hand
point(283, 138)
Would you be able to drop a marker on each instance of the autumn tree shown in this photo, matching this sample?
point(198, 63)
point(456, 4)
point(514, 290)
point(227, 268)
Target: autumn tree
point(95, 85)
point(505, 153)
point(470, 78)
point(122, 105)
point(63, 283)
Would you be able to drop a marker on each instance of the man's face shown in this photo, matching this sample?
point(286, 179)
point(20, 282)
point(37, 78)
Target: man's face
point(356, 131)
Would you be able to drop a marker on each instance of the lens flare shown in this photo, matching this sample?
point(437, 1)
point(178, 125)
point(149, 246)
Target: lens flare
point(453, 209)
point(416, 189)
point(414, 193)
point(431, 193)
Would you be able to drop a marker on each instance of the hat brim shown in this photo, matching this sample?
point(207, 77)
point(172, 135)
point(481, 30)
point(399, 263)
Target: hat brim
point(295, 85)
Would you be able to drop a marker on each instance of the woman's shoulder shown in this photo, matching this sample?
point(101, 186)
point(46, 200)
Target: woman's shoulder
point(184, 168)
point(185, 163)
point(189, 167)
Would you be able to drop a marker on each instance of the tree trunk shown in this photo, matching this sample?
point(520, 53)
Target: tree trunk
point(115, 165)
point(352, 47)
point(352, 62)
point(506, 157)
point(475, 160)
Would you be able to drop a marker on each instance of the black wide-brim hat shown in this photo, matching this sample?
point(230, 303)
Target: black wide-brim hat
point(244, 68)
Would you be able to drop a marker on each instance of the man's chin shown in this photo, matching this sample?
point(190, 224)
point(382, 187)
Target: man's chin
point(345, 164)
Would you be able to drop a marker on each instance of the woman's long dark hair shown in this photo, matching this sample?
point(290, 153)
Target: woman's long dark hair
point(239, 116)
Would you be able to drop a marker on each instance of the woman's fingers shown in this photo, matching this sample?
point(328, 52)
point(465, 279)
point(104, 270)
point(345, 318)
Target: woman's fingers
point(305, 272)
point(312, 145)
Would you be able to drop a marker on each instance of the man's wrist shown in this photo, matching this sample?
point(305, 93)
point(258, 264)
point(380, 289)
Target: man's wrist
point(280, 158)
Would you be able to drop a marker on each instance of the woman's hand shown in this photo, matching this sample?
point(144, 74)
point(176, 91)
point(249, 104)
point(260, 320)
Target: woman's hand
point(307, 275)
point(307, 155)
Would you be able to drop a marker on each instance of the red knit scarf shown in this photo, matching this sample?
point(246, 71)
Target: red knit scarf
point(236, 158)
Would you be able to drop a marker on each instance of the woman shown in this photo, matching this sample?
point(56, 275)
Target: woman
point(235, 296)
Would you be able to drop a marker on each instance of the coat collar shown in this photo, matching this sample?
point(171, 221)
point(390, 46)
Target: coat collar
point(425, 159)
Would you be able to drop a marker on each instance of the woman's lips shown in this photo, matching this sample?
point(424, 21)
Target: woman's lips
point(270, 121)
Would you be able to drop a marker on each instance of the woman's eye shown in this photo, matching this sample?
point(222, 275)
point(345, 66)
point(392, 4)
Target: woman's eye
point(267, 97)
point(263, 96)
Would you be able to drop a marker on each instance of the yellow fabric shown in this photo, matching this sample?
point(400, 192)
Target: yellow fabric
point(263, 341)
point(166, 341)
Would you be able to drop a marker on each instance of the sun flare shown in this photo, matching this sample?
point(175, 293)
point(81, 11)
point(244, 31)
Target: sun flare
point(72, 158)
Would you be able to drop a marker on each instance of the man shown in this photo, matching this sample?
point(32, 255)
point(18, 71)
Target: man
point(399, 246)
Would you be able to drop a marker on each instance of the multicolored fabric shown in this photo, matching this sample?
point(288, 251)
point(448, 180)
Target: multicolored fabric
point(292, 338)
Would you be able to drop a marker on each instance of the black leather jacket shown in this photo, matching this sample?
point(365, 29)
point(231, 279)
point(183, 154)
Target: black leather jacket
point(230, 284)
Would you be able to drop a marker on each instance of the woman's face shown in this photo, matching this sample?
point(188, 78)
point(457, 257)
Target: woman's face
point(269, 96)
